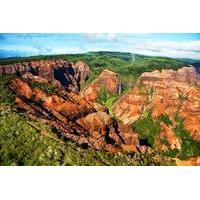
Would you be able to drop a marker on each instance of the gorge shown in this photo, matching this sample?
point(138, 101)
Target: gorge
point(161, 111)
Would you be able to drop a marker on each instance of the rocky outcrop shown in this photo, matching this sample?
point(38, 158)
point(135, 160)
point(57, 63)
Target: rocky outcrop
point(71, 76)
point(165, 92)
point(53, 91)
point(168, 135)
point(108, 80)
point(70, 114)
point(82, 71)
point(195, 161)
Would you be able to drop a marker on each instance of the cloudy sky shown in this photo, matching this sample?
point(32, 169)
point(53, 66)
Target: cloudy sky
point(185, 45)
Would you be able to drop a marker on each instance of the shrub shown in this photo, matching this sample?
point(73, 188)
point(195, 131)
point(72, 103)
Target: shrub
point(147, 128)
point(165, 119)
point(189, 147)
point(46, 87)
point(6, 95)
point(21, 144)
point(107, 99)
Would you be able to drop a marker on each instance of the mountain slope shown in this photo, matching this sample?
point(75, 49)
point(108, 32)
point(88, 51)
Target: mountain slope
point(165, 105)
point(42, 146)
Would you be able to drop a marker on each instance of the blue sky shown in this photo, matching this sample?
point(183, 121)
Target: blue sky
point(179, 45)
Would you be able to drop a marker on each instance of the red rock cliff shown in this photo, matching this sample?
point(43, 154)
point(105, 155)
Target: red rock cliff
point(70, 114)
point(71, 76)
point(165, 92)
point(107, 79)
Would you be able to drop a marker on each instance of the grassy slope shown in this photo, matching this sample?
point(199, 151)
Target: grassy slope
point(26, 142)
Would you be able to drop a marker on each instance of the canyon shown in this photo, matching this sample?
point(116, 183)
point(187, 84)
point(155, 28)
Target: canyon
point(167, 92)
point(44, 96)
point(54, 92)
point(70, 75)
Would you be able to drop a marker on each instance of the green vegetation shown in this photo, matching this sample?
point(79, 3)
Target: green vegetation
point(107, 99)
point(46, 87)
point(22, 144)
point(6, 96)
point(129, 66)
point(165, 119)
point(189, 147)
point(27, 142)
point(147, 128)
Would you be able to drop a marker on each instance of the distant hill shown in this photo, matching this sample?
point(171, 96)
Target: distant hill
point(128, 65)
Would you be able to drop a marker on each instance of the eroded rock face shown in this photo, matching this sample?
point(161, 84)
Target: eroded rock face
point(49, 90)
point(83, 72)
point(128, 135)
point(165, 92)
point(70, 114)
point(71, 76)
point(108, 80)
point(168, 135)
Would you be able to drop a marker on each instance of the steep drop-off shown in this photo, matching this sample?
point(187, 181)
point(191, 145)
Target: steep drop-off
point(71, 76)
point(52, 91)
point(81, 120)
point(165, 93)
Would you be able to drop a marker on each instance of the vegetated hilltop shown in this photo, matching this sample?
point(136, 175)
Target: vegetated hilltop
point(77, 103)
point(128, 66)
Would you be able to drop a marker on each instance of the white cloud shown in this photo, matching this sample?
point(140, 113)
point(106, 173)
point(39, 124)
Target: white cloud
point(183, 49)
point(112, 42)
point(66, 50)
point(110, 37)
point(176, 49)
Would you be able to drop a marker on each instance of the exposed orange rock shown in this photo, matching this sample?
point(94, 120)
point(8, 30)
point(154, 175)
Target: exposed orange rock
point(67, 108)
point(167, 134)
point(22, 88)
point(164, 92)
point(69, 75)
point(99, 107)
point(130, 106)
point(106, 79)
point(128, 135)
point(83, 72)
point(81, 119)
point(71, 115)
point(129, 148)
point(101, 129)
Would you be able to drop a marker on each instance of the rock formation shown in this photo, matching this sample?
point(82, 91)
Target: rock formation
point(71, 115)
point(108, 80)
point(165, 92)
point(83, 71)
point(71, 76)
point(52, 90)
